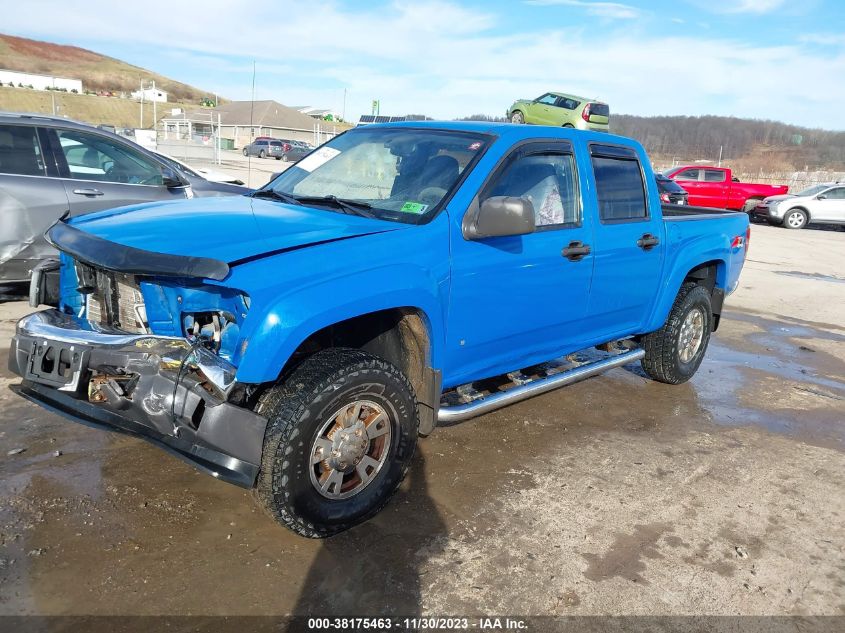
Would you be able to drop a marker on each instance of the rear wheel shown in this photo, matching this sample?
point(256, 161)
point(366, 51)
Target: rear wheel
point(517, 117)
point(795, 219)
point(568, 125)
point(261, 154)
point(341, 433)
point(285, 157)
point(674, 352)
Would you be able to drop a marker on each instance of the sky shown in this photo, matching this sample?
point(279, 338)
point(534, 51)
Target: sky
point(763, 59)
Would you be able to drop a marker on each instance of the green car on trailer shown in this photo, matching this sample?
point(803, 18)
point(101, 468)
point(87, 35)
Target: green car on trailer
point(559, 109)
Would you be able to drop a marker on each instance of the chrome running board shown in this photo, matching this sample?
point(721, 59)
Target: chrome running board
point(485, 404)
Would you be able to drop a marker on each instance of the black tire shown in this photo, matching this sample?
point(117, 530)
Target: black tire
point(298, 407)
point(261, 154)
point(795, 219)
point(284, 157)
point(278, 158)
point(517, 117)
point(663, 360)
point(246, 152)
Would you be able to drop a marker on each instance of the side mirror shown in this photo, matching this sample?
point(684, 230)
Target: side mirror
point(500, 216)
point(171, 179)
point(821, 197)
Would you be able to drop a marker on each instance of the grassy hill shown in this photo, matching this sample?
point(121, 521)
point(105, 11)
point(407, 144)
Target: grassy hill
point(96, 71)
point(90, 109)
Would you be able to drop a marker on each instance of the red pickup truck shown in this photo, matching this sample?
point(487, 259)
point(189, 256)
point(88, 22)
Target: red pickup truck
point(716, 187)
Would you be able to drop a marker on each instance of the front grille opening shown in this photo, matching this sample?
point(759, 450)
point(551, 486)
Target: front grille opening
point(196, 416)
point(113, 300)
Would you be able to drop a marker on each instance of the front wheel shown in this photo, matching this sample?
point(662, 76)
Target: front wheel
point(246, 152)
point(340, 436)
point(674, 352)
point(795, 219)
point(517, 117)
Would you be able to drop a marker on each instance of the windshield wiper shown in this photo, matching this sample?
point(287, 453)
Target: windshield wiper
point(354, 207)
point(275, 195)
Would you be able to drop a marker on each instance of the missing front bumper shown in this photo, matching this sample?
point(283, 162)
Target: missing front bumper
point(128, 382)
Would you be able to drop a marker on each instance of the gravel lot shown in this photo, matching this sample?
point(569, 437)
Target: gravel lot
point(617, 495)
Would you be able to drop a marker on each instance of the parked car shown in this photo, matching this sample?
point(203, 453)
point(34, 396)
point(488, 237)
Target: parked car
point(559, 109)
point(670, 191)
point(294, 150)
point(51, 166)
point(299, 341)
point(264, 148)
point(718, 188)
point(819, 204)
point(206, 173)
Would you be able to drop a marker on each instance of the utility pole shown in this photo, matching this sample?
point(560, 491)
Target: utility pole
point(343, 113)
point(155, 106)
point(720, 156)
point(141, 84)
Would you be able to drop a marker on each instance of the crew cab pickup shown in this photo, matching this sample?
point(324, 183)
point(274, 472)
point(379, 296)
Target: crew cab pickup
point(299, 339)
point(717, 187)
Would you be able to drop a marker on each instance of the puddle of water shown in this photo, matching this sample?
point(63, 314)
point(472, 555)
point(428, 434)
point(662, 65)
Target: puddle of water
point(740, 369)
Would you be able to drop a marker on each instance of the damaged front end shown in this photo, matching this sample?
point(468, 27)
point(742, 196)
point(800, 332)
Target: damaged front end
point(151, 354)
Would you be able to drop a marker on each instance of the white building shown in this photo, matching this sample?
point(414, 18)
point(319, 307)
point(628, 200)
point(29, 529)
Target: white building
point(150, 95)
point(39, 82)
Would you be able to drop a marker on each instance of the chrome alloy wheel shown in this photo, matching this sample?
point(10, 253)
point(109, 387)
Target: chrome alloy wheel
point(692, 334)
point(350, 449)
point(795, 219)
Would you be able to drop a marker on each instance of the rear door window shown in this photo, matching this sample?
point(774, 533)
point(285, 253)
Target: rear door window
point(568, 104)
point(714, 175)
point(619, 184)
point(20, 151)
point(102, 159)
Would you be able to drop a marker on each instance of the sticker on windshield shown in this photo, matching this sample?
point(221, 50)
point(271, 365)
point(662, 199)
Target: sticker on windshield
point(317, 158)
point(414, 207)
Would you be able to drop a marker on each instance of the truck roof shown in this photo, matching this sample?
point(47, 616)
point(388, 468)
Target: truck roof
point(510, 130)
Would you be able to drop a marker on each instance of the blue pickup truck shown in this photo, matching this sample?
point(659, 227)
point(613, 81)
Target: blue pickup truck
point(299, 339)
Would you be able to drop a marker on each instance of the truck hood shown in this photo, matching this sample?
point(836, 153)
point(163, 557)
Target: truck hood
point(229, 229)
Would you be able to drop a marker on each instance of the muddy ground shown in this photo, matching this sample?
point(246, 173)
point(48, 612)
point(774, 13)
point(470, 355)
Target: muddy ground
point(617, 495)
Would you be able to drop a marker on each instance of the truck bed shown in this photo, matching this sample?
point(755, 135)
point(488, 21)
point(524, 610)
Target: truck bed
point(686, 212)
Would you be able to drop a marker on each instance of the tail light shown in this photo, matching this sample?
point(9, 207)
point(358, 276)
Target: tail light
point(664, 197)
point(585, 113)
point(286, 147)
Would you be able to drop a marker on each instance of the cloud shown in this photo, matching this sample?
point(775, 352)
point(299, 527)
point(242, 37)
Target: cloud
point(447, 60)
point(611, 10)
point(742, 6)
point(823, 39)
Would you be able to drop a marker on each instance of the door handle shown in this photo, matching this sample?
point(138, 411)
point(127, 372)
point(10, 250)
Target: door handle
point(88, 192)
point(576, 251)
point(648, 241)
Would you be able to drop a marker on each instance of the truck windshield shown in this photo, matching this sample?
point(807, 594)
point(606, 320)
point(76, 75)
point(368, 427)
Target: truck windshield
point(400, 174)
